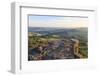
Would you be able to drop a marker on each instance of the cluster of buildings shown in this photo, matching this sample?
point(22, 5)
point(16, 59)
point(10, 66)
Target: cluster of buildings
point(61, 49)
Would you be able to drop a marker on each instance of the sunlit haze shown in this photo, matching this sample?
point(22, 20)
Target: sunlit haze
point(57, 21)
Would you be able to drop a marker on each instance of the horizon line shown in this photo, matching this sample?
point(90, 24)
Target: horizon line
point(58, 27)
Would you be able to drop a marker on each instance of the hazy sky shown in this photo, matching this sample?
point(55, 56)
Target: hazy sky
point(57, 21)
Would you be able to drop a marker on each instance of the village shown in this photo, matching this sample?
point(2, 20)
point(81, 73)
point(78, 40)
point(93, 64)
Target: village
point(58, 49)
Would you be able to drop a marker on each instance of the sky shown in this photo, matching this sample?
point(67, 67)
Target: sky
point(57, 21)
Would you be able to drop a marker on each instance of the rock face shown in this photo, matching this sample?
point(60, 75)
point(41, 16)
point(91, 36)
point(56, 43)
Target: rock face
point(59, 49)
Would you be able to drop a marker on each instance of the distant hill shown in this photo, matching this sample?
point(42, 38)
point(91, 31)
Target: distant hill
point(80, 33)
